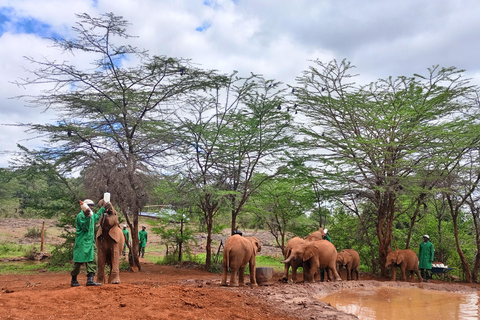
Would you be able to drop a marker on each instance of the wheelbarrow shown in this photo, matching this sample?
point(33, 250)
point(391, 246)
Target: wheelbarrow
point(440, 269)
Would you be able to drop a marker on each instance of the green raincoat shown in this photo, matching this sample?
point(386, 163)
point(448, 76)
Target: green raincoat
point(127, 236)
point(142, 237)
point(425, 255)
point(85, 237)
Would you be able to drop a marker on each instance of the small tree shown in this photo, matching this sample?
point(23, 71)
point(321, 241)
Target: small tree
point(113, 117)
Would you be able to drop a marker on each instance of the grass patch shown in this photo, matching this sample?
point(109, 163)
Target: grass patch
point(12, 250)
point(21, 267)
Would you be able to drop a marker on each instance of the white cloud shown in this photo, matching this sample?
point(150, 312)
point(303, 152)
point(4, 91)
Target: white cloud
point(275, 38)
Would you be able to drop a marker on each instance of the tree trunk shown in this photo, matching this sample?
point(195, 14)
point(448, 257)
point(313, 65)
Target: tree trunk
point(208, 258)
point(386, 212)
point(180, 243)
point(465, 267)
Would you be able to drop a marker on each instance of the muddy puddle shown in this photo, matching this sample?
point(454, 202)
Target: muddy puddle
point(381, 303)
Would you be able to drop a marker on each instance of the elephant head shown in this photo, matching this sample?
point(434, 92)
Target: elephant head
point(109, 221)
point(394, 258)
point(257, 246)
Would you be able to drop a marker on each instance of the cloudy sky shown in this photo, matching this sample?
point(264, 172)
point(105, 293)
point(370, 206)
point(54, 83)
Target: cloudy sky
point(276, 38)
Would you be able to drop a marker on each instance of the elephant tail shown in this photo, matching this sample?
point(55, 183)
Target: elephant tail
point(226, 259)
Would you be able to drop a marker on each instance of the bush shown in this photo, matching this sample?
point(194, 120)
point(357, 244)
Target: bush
point(34, 233)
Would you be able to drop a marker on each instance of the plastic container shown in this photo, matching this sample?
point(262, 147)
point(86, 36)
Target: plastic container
point(106, 197)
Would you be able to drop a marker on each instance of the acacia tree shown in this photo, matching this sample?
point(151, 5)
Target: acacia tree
point(230, 134)
point(377, 138)
point(279, 203)
point(112, 119)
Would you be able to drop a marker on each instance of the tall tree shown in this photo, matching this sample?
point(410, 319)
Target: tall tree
point(279, 203)
point(376, 138)
point(113, 118)
point(229, 135)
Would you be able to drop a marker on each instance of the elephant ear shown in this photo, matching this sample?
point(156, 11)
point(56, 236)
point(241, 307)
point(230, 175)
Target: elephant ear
point(115, 235)
point(256, 245)
point(399, 258)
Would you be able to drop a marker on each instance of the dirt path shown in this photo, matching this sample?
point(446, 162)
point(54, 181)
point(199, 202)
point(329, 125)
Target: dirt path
point(164, 292)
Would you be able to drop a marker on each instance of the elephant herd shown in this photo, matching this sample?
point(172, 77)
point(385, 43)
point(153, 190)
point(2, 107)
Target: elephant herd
point(312, 253)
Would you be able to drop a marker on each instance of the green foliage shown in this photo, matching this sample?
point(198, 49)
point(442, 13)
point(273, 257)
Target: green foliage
point(63, 253)
point(21, 267)
point(34, 232)
point(10, 250)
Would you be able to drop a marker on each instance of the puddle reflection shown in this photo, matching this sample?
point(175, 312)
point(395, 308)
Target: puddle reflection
point(405, 303)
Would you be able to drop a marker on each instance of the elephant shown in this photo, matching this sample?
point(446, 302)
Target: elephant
point(350, 259)
point(320, 254)
point(407, 260)
point(317, 235)
point(239, 251)
point(293, 257)
point(110, 241)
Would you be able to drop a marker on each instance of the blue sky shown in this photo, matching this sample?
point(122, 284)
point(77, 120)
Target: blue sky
point(276, 38)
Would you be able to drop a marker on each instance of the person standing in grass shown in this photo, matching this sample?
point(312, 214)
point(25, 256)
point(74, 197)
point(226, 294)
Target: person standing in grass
point(127, 238)
point(142, 237)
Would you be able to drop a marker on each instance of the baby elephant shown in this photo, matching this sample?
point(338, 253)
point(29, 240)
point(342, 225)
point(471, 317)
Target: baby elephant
point(407, 260)
point(237, 253)
point(350, 259)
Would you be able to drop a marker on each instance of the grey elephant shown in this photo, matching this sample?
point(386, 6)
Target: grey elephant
point(407, 260)
point(293, 257)
point(320, 254)
point(350, 259)
point(110, 242)
point(238, 252)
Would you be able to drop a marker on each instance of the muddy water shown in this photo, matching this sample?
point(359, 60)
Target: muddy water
point(405, 303)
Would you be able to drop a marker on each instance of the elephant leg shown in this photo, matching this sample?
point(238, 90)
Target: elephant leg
point(294, 273)
point(241, 276)
point(334, 272)
point(394, 273)
point(101, 265)
point(253, 273)
point(404, 276)
point(224, 275)
point(233, 277)
point(285, 272)
point(349, 273)
point(114, 276)
point(420, 279)
point(357, 272)
point(306, 272)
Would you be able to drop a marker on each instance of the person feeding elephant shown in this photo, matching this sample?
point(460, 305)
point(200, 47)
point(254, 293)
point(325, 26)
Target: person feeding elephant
point(325, 237)
point(425, 258)
point(84, 249)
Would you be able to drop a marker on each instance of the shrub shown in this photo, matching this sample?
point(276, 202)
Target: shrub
point(34, 233)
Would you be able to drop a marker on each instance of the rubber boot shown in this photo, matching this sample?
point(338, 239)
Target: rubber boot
point(74, 282)
point(90, 281)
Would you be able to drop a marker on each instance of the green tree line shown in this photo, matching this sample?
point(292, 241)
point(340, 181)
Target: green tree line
point(379, 164)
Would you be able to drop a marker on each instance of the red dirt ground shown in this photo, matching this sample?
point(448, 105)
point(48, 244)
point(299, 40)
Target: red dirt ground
point(166, 292)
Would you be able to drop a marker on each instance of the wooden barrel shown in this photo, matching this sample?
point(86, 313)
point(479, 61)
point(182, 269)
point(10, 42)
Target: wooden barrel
point(264, 276)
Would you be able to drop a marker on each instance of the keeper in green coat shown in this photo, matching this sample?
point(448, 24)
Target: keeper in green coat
point(84, 249)
point(142, 243)
point(127, 238)
point(425, 258)
point(325, 237)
